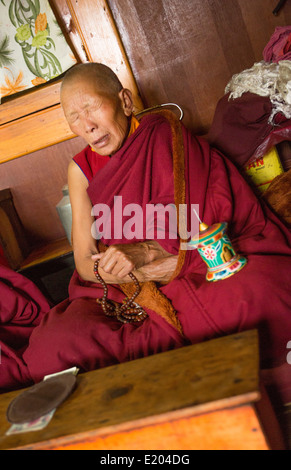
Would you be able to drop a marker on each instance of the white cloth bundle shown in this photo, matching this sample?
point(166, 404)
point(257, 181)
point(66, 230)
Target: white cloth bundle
point(265, 79)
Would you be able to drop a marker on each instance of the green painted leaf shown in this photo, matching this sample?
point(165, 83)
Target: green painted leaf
point(11, 13)
point(5, 53)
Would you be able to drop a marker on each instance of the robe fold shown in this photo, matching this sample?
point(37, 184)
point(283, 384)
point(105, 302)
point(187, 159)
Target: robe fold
point(163, 163)
point(22, 306)
point(241, 129)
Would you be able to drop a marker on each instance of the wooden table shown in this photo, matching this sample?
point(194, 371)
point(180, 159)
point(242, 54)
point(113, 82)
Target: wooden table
point(48, 252)
point(205, 396)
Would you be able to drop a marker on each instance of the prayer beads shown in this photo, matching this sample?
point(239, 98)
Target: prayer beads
point(128, 311)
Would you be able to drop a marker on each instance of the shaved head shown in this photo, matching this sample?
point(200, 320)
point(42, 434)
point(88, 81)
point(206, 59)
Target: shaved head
point(99, 74)
point(96, 106)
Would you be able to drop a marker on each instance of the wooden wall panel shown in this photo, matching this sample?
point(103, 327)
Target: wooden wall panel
point(186, 51)
point(36, 182)
point(97, 30)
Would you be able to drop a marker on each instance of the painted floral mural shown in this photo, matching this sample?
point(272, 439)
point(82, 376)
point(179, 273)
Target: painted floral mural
point(33, 49)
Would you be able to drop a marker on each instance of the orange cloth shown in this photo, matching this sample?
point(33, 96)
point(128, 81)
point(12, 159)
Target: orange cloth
point(133, 125)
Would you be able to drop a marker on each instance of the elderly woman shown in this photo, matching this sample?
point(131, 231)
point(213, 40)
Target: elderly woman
point(128, 166)
point(100, 110)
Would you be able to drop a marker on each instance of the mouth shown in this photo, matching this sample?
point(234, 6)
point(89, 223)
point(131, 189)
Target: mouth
point(101, 142)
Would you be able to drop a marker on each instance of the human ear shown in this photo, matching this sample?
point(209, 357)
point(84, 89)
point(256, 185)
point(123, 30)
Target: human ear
point(127, 103)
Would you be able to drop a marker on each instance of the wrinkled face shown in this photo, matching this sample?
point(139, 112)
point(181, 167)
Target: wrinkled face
point(101, 119)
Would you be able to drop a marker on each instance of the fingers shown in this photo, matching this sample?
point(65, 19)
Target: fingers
point(114, 262)
point(97, 256)
point(122, 270)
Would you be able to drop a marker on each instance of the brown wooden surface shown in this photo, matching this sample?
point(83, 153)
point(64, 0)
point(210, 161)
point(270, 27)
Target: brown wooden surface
point(100, 37)
point(235, 428)
point(9, 243)
point(33, 132)
point(21, 106)
point(187, 51)
point(47, 252)
point(12, 234)
point(159, 390)
point(65, 21)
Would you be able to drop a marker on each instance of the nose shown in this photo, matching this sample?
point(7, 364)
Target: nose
point(90, 125)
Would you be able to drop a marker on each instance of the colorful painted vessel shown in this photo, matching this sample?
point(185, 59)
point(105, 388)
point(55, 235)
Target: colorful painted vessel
point(217, 252)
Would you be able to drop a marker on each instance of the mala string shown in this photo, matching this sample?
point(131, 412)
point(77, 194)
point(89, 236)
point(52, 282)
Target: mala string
point(128, 311)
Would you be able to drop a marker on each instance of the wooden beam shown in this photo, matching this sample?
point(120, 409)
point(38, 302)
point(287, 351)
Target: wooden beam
point(33, 132)
point(102, 42)
point(20, 106)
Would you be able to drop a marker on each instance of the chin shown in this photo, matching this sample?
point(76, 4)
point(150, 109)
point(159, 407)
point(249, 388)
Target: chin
point(107, 150)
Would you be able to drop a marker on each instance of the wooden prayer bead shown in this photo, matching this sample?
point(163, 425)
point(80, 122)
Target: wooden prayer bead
point(128, 311)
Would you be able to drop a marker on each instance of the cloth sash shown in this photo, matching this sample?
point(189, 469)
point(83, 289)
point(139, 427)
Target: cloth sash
point(162, 162)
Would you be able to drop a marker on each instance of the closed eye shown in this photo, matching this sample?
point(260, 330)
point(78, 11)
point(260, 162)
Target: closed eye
point(73, 118)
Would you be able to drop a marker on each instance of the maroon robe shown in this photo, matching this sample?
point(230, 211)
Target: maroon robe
point(241, 129)
point(77, 333)
point(22, 307)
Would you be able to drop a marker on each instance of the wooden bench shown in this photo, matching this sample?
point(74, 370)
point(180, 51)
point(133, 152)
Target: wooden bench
point(205, 396)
